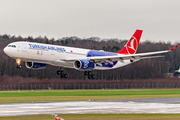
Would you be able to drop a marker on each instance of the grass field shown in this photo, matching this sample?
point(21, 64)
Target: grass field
point(99, 117)
point(85, 95)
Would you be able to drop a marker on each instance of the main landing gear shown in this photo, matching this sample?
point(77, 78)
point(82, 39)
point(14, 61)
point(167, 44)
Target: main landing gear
point(61, 73)
point(89, 74)
point(18, 61)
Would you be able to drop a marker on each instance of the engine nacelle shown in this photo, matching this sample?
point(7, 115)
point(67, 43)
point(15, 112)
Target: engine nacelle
point(34, 65)
point(83, 65)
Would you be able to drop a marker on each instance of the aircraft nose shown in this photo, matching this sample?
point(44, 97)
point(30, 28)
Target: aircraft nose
point(7, 51)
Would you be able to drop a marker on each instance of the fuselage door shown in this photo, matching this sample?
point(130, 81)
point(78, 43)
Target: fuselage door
point(18, 47)
point(52, 52)
point(24, 48)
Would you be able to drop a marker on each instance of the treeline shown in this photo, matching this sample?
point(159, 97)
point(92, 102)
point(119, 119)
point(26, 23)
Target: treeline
point(143, 69)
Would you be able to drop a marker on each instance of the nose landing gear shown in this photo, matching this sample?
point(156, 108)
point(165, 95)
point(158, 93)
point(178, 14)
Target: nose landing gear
point(18, 61)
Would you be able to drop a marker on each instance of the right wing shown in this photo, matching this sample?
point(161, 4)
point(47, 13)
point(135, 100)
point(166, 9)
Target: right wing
point(120, 57)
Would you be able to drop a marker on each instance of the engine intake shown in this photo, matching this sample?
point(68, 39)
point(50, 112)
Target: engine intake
point(34, 65)
point(83, 65)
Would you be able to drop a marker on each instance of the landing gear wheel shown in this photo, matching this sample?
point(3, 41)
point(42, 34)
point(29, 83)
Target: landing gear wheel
point(18, 66)
point(61, 72)
point(85, 73)
point(93, 76)
point(58, 72)
point(89, 72)
point(62, 76)
point(89, 76)
point(65, 76)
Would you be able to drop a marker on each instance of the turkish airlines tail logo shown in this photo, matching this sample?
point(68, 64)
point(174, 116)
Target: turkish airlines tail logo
point(132, 44)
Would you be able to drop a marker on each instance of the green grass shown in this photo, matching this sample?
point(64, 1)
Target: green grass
point(28, 96)
point(99, 117)
point(90, 92)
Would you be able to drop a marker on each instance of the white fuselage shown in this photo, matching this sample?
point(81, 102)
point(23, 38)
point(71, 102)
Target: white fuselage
point(52, 54)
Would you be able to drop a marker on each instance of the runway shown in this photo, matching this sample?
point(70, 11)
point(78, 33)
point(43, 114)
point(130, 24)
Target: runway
point(83, 107)
point(149, 100)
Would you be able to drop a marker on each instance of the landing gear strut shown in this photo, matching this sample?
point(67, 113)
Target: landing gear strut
point(61, 73)
point(18, 61)
point(89, 74)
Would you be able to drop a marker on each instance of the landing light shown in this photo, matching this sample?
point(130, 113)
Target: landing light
point(18, 61)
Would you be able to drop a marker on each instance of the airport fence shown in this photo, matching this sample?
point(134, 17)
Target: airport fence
point(89, 86)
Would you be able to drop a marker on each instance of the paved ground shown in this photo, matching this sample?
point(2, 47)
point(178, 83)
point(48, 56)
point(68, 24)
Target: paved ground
point(150, 100)
point(82, 107)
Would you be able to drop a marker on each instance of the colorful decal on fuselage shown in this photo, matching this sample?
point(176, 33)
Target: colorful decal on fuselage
point(44, 47)
point(93, 53)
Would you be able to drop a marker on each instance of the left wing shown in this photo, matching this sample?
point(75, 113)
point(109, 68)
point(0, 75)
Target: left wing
point(121, 58)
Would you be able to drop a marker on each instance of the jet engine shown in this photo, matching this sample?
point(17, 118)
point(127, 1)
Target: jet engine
point(34, 65)
point(83, 65)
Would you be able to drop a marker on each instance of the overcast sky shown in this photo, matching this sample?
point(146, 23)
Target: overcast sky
point(160, 19)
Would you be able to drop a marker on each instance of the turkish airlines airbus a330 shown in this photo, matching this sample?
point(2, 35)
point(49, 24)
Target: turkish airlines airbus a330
point(37, 56)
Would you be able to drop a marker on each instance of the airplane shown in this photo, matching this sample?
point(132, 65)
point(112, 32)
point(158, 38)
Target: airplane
point(178, 71)
point(38, 56)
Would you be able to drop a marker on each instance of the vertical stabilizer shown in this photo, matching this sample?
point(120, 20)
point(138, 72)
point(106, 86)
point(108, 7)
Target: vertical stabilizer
point(132, 45)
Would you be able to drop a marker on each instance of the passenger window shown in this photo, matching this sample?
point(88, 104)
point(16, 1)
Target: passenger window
point(12, 46)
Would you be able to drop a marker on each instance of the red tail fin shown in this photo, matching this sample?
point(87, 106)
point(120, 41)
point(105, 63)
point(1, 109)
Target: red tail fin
point(132, 45)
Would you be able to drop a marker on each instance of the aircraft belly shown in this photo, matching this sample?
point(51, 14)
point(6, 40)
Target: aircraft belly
point(120, 64)
point(102, 68)
point(117, 65)
point(62, 63)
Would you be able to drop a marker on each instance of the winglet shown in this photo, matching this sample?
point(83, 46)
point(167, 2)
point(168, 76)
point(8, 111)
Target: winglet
point(172, 49)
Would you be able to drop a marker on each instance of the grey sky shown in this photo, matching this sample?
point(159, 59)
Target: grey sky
point(160, 19)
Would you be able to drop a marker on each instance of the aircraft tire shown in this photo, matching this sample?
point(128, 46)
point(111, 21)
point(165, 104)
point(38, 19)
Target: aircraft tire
point(58, 72)
point(89, 76)
point(93, 76)
point(18, 66)
point(89, 73)
point(65, 76)
point(61, 72)
point(85, 73)
point(62, 75)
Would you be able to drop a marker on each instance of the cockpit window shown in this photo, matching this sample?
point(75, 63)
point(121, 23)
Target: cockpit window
point(12, 46)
